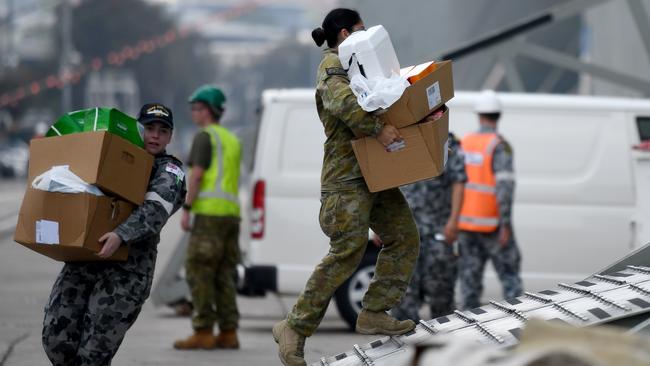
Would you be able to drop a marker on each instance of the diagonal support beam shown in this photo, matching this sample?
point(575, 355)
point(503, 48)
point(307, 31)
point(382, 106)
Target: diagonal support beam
point(500, 36)
point(569, 62)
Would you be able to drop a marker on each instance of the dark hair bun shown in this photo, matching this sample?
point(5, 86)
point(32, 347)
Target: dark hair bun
point(319, 36)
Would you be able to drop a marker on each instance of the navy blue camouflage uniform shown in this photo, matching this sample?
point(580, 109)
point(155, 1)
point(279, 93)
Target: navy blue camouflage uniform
point(434, 278)
point(477, 248)
point(93, 304)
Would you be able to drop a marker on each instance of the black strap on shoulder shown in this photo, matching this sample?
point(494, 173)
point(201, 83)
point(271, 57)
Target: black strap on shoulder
point(338, 71)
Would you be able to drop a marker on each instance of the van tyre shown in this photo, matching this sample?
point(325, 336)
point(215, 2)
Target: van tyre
point(349, 295)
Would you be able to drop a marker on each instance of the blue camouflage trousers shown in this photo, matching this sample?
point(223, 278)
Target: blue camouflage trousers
point(89, 311)
point(475, 250)
point(432, 283)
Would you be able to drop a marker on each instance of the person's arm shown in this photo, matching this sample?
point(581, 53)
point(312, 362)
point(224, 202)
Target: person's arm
point(451, 228)
point(193, 184)
point(339, 100)
point(164, 197)
point(200, 160)
point(505, 188)
point(455, 170)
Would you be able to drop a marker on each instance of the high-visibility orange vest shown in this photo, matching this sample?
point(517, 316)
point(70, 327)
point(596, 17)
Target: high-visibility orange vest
point(480, 212)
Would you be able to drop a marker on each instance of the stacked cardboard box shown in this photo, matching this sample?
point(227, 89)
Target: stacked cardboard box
point(425, 151)
point(67, 227)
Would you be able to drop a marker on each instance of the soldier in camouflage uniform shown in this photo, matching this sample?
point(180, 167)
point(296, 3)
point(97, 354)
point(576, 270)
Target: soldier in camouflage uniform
point(348, 209)
point(436, 206)
point(481, 239)
point(93, 304)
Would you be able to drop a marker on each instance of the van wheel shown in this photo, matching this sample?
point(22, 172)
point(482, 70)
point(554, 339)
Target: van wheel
point(349, 296)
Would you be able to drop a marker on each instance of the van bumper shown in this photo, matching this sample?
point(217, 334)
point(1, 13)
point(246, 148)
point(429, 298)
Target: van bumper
point(256, 280)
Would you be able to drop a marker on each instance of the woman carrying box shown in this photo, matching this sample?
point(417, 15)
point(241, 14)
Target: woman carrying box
point(348, 209)
point(93, 304)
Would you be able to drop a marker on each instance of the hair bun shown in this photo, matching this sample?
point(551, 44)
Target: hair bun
point(319, 36)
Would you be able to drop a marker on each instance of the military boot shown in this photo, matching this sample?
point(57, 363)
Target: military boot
point(292, 344)
point(371, 323)
point(227, 339)
point(201, 339)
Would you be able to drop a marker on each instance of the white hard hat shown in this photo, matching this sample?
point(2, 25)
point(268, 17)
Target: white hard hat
point(487, 102)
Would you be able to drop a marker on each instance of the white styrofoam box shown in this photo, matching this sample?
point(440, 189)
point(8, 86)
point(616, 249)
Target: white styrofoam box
point(371, 51)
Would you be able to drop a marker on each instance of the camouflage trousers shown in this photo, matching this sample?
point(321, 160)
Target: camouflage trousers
point(211, 268)
point(475, 250)
point(433, 281)
point(345, 216)
point(89, 311)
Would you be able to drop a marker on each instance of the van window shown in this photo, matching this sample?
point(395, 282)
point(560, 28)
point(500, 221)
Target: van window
point(643, 124)
point(302, 143)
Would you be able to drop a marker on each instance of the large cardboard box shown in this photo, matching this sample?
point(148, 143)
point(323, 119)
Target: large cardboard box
point(67, 227)
point(423, 157)
point(101, 158)
point(422, 98)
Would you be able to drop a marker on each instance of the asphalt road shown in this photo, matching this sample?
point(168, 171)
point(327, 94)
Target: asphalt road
point(26, 278)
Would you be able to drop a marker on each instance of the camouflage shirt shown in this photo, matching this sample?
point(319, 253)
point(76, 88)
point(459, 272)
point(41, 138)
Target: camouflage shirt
point(141, 231)
point(430, 200)
point(504, 173)
point(343, 121)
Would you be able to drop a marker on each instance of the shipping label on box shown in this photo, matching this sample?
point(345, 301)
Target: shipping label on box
point(423, 156)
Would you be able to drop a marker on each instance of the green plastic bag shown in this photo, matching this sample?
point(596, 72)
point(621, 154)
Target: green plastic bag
point(69, 123)
point(115, 122)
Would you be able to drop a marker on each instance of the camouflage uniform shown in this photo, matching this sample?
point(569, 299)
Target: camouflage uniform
point(93, 304)
point(348, 209)
point(477, 248)
point(211, 265)
point(434, 278)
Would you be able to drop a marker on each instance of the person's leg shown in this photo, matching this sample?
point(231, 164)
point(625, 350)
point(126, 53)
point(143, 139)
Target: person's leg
point(113, 307)
point(409, 307)
point(344, 219)
point(440, 285)
point(204, 253)
point(507, 264)
point(471, 265)
point(391, 219)
point(64, 314)
point(226, 296)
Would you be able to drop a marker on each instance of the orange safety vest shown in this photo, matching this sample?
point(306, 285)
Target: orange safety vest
point(480, 212)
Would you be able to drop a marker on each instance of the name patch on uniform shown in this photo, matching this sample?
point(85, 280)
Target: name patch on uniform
point(331, 71)
point(174, 169)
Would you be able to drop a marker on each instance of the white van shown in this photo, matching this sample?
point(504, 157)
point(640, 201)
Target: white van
point(582, 199)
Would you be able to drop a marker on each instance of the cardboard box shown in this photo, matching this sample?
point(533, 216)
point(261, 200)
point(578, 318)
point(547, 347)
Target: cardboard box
point(422, 97)
point(67, 227)
point(101, 158)
point(423, 157)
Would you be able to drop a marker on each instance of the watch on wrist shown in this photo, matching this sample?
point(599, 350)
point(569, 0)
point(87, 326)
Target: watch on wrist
point(187, 206)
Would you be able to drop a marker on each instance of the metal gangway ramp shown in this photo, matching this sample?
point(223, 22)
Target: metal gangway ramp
point(618, 294)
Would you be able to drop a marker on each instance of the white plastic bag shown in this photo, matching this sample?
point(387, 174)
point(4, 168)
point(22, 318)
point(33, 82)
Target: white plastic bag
point(61, 179)
point(376, 93)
